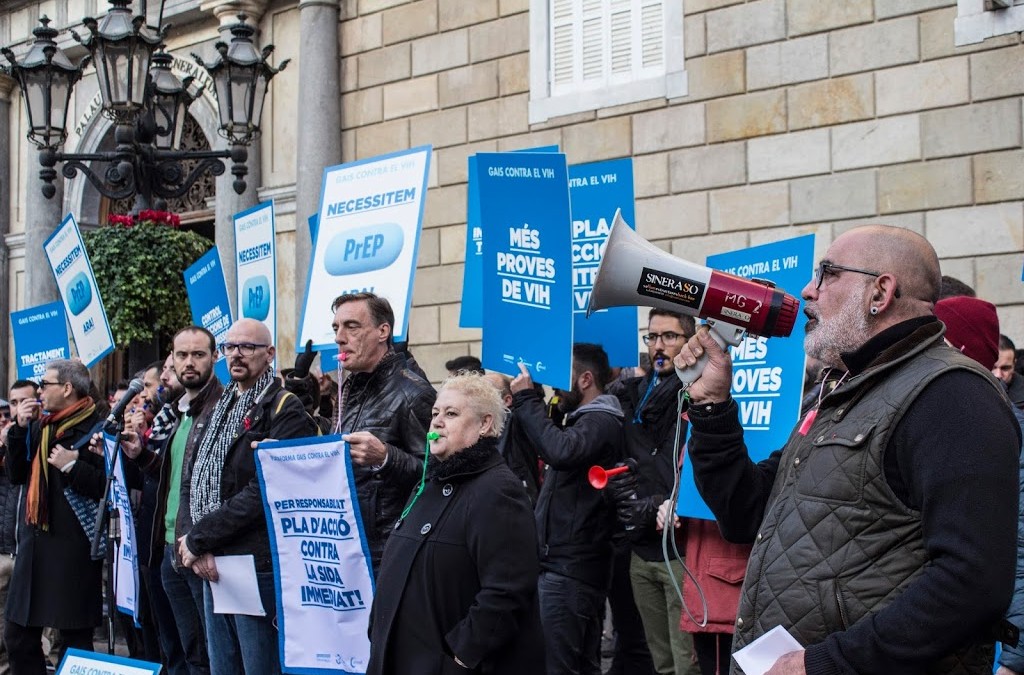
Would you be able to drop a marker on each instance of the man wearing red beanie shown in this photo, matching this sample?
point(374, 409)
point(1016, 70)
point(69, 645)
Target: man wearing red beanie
point(972, 326)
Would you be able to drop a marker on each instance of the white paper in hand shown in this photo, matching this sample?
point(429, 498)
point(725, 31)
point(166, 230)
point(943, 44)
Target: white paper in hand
point(236, 591)
point(761, 654)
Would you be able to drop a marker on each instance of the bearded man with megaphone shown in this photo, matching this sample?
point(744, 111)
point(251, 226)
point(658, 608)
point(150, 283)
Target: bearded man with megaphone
point(884, 532)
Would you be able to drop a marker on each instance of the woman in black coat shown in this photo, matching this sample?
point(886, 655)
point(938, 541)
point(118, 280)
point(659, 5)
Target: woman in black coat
point(457, 591)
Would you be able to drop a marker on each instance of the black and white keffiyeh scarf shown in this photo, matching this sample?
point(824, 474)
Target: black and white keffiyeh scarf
point(227, 415)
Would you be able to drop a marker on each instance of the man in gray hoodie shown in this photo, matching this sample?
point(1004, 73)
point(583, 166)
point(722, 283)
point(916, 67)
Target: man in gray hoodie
point(574, 521)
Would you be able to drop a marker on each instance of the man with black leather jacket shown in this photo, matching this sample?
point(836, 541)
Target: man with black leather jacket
point(383, 412)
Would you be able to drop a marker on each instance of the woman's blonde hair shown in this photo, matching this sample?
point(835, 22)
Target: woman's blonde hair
point(482, 395)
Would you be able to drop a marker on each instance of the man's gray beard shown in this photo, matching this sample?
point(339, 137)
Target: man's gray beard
point(845, 332)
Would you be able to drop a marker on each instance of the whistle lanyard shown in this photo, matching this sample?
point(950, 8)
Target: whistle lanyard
point(643, 401)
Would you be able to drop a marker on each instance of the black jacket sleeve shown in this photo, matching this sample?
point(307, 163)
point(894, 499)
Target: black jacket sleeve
point(734, 487)
point(958, 449)
point(405, 463)
point(580, 445)
point(242, 510)
point(19, 455)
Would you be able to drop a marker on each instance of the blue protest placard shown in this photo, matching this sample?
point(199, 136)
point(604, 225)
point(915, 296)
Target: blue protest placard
point(471, 309)
point(208, 299)
point(328, 353)
point(126, 562)
point(596, 191)
point(72, 271)
point(527, 266)
point(256, 265)
point(368, 234)
point(322, 571)
point(40, 335)
point(767, 375)
point(79, 662)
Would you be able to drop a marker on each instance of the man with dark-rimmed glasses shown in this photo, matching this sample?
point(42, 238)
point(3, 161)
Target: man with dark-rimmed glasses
point(884, 532)
point(56, 582)
point(224, 499)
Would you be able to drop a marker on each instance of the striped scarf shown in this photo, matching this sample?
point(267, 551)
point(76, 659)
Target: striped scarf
point(218, 438)
point(51, 429)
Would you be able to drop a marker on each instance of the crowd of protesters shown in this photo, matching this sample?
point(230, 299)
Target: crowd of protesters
point(883, 536)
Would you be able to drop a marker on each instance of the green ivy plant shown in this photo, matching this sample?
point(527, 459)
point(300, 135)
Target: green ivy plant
point(138, 262)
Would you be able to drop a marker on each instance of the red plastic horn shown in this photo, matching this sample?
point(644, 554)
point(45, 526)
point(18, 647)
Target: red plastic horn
point(598, 475)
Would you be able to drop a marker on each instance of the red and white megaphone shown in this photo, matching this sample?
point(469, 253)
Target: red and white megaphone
point(635, 272)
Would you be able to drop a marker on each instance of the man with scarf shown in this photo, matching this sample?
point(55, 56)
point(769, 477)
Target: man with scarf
point(224, 498)
point(383, 412)
point(56, 582)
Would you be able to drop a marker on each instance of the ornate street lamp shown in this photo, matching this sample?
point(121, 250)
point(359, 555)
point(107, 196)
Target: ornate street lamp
point(241, 75)
point(147, 103)
point(171, 98)
point(45, 77)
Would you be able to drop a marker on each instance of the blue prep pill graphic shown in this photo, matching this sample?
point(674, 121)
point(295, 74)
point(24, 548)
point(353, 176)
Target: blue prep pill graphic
point(256, 298)
point(363, 249)
point(79, 293)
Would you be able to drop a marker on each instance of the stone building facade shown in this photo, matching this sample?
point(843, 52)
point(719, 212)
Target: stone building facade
point(747, 121)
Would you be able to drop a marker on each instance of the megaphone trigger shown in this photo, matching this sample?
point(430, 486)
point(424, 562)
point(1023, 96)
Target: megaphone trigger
point(724, 334)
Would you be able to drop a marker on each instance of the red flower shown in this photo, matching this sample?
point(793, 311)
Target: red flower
point(247, 423)
point(147, 216)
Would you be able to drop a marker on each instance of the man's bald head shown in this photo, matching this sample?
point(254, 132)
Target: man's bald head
point(904, 254)
point(249, 330)
point(249, 352)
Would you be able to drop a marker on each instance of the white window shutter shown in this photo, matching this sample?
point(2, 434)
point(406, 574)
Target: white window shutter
point(652, 35)
point(563, 57)
point(602, 53)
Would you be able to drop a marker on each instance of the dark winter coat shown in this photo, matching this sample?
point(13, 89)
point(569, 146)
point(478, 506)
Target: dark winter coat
point(239, 526)
point(649, 443)
point(575, 522)
point(393, 404)
point(56, 582)
point(884, 538)
point(10, 511)
point(152, 461)
point(1013, 657)
point(521, 456)
point(459, 576)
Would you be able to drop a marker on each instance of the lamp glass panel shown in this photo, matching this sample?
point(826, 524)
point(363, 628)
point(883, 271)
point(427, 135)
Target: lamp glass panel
point(140, 69)
point(259, 96)
point(114, 73)
point(220, 81)
point(241, 96)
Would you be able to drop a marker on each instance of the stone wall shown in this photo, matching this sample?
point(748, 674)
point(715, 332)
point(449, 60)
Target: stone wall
point(802, 116)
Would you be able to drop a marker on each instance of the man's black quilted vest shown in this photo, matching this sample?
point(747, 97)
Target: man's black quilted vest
point(836, 544)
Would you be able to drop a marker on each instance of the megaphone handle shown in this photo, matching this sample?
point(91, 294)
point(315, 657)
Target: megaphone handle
point(723, 334)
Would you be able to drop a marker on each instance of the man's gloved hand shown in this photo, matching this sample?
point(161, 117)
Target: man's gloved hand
point(304, 361)
point(635, 513)
point(306, 388)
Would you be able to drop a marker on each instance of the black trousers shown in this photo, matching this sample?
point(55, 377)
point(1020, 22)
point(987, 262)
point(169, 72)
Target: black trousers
point(25, 650)
point(714, 652)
